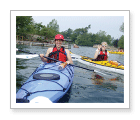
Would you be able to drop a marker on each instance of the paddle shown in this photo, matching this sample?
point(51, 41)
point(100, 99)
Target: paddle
point(32, 55)
point(37, 55)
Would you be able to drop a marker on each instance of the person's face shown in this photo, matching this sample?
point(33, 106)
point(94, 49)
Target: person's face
point(58, 43)
point(104, 45)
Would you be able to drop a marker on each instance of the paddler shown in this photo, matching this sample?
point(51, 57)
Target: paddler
point(101, 52)
point(57, 52)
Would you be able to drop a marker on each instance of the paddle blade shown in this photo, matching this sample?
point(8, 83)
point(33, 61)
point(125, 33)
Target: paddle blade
point(27, 56)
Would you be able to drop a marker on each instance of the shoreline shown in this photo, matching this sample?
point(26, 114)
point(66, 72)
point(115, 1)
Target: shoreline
point(67, 46)
point(36, 43)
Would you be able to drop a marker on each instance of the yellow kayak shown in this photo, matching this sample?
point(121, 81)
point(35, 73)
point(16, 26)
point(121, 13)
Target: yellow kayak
point(112, 66)
point(115, 52)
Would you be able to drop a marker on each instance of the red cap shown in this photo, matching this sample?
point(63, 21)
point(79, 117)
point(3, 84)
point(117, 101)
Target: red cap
point(59, 37)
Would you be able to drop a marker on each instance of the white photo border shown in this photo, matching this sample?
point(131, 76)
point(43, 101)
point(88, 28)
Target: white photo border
point(125, 13)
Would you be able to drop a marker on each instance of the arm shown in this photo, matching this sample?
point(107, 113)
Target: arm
point(107, 55)
point(69, 61)
point(47, 54)
point(97, 52)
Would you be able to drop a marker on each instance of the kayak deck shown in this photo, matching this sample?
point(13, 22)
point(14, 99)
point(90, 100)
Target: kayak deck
point(115, 52)
point(48, 82)
point(104, 65)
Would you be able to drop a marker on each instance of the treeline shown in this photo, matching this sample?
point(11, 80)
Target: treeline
point(25, 26)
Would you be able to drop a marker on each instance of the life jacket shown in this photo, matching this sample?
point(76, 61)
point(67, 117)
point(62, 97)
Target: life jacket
point(58, 55)
point(102, 56)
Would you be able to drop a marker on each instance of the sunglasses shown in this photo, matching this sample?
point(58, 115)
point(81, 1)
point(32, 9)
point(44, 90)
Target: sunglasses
point(103, 46)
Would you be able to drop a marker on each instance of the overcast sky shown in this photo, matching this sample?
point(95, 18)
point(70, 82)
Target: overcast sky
point(109, 24)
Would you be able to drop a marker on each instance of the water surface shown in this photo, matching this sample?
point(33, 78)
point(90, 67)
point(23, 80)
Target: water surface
point(88, 86)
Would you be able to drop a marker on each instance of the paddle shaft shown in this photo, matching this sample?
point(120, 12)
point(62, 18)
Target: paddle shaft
point(25, 51)
point(78, 66)
point(61, 61)
point(53, 59)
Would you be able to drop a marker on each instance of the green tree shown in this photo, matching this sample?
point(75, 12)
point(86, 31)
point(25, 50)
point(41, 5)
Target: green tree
point(108, 39)
point(122, 28)
point(100, 37)
point(79, 31)
point(121, 42)
point(49, 33)
point(38, 27)
point(67, 33)
point(23, 24)
point(84, 39)
point(115, 43)
point(53, 26)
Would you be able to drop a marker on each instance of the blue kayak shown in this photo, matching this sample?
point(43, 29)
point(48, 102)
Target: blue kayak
point(46, 84)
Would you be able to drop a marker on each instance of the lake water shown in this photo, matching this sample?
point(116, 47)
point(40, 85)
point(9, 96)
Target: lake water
point(88, 86)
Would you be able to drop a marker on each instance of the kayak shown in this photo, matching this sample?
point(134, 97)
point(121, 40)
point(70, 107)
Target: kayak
point(47, 84)
point(115, 52)
point(112, 66)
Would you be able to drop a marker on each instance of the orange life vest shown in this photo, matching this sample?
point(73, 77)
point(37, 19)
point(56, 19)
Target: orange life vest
point(102, 56)
point(60, 55)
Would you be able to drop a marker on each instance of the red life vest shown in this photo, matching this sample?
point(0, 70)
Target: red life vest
point(102, 56)
point(58, 55)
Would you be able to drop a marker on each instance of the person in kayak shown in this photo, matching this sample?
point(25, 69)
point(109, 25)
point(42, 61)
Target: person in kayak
point(101, 52)
point(57, 52)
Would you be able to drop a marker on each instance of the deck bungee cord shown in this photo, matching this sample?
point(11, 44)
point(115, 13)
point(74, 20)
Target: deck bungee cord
point(30, 93)
point(47, 80)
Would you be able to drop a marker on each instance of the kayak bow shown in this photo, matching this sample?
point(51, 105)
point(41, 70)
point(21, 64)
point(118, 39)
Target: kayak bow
point(104, 65)
point(46, 84)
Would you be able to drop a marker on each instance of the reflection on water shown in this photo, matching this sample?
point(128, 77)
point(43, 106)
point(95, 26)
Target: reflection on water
point(99, 80)
point(87, 87)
